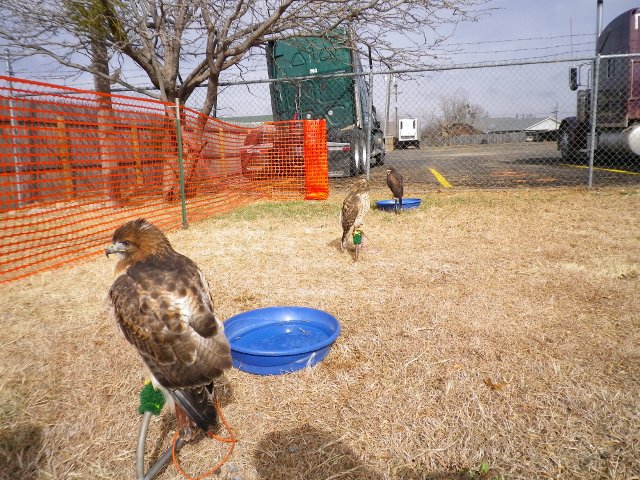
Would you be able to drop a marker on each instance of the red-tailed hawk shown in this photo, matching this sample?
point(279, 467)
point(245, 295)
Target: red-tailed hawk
point(162, 304)
point(354, 207)
point(396, 185)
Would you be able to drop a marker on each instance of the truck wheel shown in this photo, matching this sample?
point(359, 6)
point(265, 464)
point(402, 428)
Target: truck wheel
point(566, 151)
point(574, 156)
point(378, 146)
point(567, 155)
point(353, 167)
point(354, 155)
point(363, 154)
point(358, 152)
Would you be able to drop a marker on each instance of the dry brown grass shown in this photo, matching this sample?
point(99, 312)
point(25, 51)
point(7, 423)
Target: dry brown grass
point(485, 326)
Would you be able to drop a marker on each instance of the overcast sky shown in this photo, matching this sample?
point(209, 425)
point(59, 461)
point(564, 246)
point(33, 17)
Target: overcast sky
point(530, 30)
point(517, 29)
point(535, 30)
point(518, 20)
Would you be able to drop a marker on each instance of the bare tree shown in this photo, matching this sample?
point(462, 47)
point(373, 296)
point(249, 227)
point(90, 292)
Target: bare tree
point(458, 115)
point(180, 44)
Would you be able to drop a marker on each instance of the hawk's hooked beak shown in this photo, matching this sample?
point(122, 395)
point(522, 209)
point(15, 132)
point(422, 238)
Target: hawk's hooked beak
point(117, 247)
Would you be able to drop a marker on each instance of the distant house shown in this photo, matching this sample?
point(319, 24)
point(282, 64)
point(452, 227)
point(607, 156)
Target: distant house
point(498, 125)
point(545, 129)
point(515, 129)
point(485, 130)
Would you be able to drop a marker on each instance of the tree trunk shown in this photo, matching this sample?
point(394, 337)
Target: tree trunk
point(210, 106)
point(194, 140)
point(100, 63)
point(102, 84)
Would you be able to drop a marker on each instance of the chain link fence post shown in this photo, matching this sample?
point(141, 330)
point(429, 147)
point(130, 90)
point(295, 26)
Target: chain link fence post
point(13, 123)
point(593, 112)
point(593, 115)
point(183, 201)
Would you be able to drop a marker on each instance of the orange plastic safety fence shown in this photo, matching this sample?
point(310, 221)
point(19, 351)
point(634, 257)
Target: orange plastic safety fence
point(316, 160)
point(75, 164)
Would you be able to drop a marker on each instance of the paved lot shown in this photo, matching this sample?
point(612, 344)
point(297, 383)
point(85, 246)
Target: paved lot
point(504, 166)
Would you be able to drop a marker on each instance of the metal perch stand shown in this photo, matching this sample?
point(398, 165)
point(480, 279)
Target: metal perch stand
point(164, 459)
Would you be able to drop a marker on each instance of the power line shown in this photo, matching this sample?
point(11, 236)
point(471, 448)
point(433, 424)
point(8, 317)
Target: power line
point(520, 49)
point(556, 57)
point(519, 39)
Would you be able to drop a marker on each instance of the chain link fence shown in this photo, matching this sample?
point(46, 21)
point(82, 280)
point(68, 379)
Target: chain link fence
point(479, 126)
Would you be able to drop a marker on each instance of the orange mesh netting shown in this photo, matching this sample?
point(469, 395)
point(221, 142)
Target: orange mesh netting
point(75, 164)
point(316, 160)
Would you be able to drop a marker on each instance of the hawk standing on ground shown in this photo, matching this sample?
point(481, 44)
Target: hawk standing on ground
point(396, 185)
point(354, 208)
point(162, 304)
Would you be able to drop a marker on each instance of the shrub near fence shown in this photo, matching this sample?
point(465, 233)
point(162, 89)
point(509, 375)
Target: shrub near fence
point(75, 164)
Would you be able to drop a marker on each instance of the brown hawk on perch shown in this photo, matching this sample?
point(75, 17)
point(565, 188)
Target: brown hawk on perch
point(162, 304)
point(396, 185)
point(354, 207)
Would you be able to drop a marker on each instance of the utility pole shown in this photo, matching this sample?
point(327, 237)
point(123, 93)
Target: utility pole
point(389, 81)
point(555, 112)
point(395, 86)
point(571, 35)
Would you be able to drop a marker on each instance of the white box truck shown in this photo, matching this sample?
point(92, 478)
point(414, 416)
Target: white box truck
point(408, 133)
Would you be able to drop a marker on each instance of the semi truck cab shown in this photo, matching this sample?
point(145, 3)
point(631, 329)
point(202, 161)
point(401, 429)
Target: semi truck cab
point(617, 128)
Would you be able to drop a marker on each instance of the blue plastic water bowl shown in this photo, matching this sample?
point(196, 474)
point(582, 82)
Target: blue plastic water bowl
point(276, 340)
point(407, 204)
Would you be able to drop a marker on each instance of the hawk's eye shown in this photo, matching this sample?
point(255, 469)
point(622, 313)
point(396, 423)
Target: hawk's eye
point(126, 243)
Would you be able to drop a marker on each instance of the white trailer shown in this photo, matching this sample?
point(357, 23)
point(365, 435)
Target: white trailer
point(408, 133)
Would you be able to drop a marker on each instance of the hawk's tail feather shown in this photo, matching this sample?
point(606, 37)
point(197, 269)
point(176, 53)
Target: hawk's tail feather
point(198, 403)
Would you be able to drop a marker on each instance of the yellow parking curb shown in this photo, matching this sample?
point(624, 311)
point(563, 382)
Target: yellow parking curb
point(627, 172)
point(440, 178)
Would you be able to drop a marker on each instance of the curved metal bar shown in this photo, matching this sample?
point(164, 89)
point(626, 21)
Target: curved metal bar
point(142, 438)
point(164, 459)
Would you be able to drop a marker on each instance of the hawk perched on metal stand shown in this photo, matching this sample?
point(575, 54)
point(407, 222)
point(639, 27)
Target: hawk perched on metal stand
point(354, 207)
point(162, 304)
point(396, 185)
